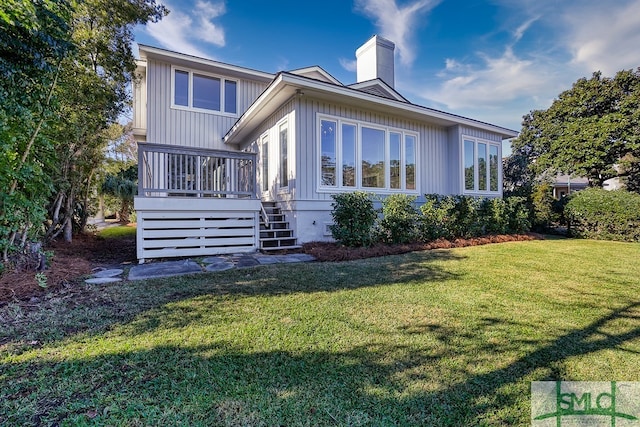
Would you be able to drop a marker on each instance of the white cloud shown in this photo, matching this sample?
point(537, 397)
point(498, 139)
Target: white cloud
point(349, 64)
point(180, 30)
point(499, 80)
point(208, 31)
point(604, 36)
point(398, 24)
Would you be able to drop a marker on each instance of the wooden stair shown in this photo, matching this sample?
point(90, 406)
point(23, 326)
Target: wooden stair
point(276, 234)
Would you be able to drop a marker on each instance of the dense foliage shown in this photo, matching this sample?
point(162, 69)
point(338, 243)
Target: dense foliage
point(447, 217)
point(65, 67)
point(353, 218)
point(399, 222)
point(609, 215)
point(586, 131)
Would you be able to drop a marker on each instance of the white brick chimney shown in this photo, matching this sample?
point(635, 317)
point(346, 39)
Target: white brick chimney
point(375, 61)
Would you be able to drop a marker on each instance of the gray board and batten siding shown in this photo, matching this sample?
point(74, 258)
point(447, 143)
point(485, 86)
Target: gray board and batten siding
point(438, 147)
point(184, 127)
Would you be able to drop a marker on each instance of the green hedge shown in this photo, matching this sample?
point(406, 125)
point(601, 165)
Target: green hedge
point(608, 215)
point(446, 217)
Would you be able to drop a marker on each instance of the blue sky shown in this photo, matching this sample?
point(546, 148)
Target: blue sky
point(491, 60)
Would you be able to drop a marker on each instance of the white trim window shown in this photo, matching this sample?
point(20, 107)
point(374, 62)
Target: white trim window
point(480, 166)
point(283, 150)
point(264, 163)
point(198, 91)
point(359, 155)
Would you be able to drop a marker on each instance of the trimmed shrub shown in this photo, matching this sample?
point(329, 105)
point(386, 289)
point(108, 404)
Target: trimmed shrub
point(609, 215)
point(353, 218)
point(399, 219)
point(452, 217)
point(517, 214)
point(492, 218)
point(436, 215)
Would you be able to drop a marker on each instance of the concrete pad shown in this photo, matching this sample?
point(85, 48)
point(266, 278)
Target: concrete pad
point(102, 280)
point(220, 266)
point(108, 273)
point(163, 269)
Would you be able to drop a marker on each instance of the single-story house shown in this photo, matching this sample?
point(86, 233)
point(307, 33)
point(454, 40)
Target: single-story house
point(233, 159)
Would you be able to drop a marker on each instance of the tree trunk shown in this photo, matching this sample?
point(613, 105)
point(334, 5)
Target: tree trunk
point(68, 219)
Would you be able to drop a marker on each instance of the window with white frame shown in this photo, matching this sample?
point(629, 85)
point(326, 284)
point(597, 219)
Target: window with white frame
point(366, 156)
point(283, 172)
point(481, 167)
point(265, 163)
point(203, 92)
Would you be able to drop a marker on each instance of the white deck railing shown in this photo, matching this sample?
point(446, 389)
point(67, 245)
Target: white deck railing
point(195, 202)
point(173, 171)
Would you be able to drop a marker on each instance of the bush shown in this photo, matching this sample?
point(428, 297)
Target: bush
point(399, 219)
point(436, 216)
point(517, 214)
point(451, 217)
point(543, 212)
point(609, 215)
point(353, 218)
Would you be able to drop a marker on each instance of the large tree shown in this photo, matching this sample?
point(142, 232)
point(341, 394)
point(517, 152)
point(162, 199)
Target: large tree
point(93, 92)
point(65, 67)
point(35, 37)
point(587, 130)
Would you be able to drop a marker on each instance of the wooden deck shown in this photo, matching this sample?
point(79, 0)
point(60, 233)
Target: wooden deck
point(195, 202)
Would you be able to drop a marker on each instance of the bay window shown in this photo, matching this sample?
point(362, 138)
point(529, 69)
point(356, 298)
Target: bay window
point(362, 155)
point(480, 166)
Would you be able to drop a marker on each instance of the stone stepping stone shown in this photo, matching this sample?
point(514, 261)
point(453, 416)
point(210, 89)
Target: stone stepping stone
point(215, 260)
point(220, 266)
point(102, 280)
point(112, 272)
point(164, 269)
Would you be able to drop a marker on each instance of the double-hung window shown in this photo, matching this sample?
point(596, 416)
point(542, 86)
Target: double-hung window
point(366, 156)
point(204, 92)
point(481, 166)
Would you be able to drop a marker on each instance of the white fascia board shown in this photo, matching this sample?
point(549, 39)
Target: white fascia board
point(381, 84)
point(287, 85)
point(318, 69)
point(191, 61)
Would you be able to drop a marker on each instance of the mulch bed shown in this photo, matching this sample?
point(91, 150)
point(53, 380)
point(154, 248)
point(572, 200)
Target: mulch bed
point(328, 251)
point(72, 261)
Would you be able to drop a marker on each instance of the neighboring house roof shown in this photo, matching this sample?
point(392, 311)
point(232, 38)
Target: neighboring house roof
point(208, 65)
point(563, 180)
point(380, 88)
point(287, 85)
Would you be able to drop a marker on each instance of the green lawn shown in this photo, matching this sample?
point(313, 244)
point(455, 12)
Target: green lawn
point(117, 232)
point(448, 337)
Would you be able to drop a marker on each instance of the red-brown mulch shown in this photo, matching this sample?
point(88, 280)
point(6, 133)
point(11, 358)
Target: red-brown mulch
point(329, 251)
point(70, 262)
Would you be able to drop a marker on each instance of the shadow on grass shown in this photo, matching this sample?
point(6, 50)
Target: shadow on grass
point(373, 384)
point(100, 308)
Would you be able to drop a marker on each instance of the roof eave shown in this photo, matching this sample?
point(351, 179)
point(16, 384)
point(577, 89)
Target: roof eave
point(286, 85)
point(190, 60)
